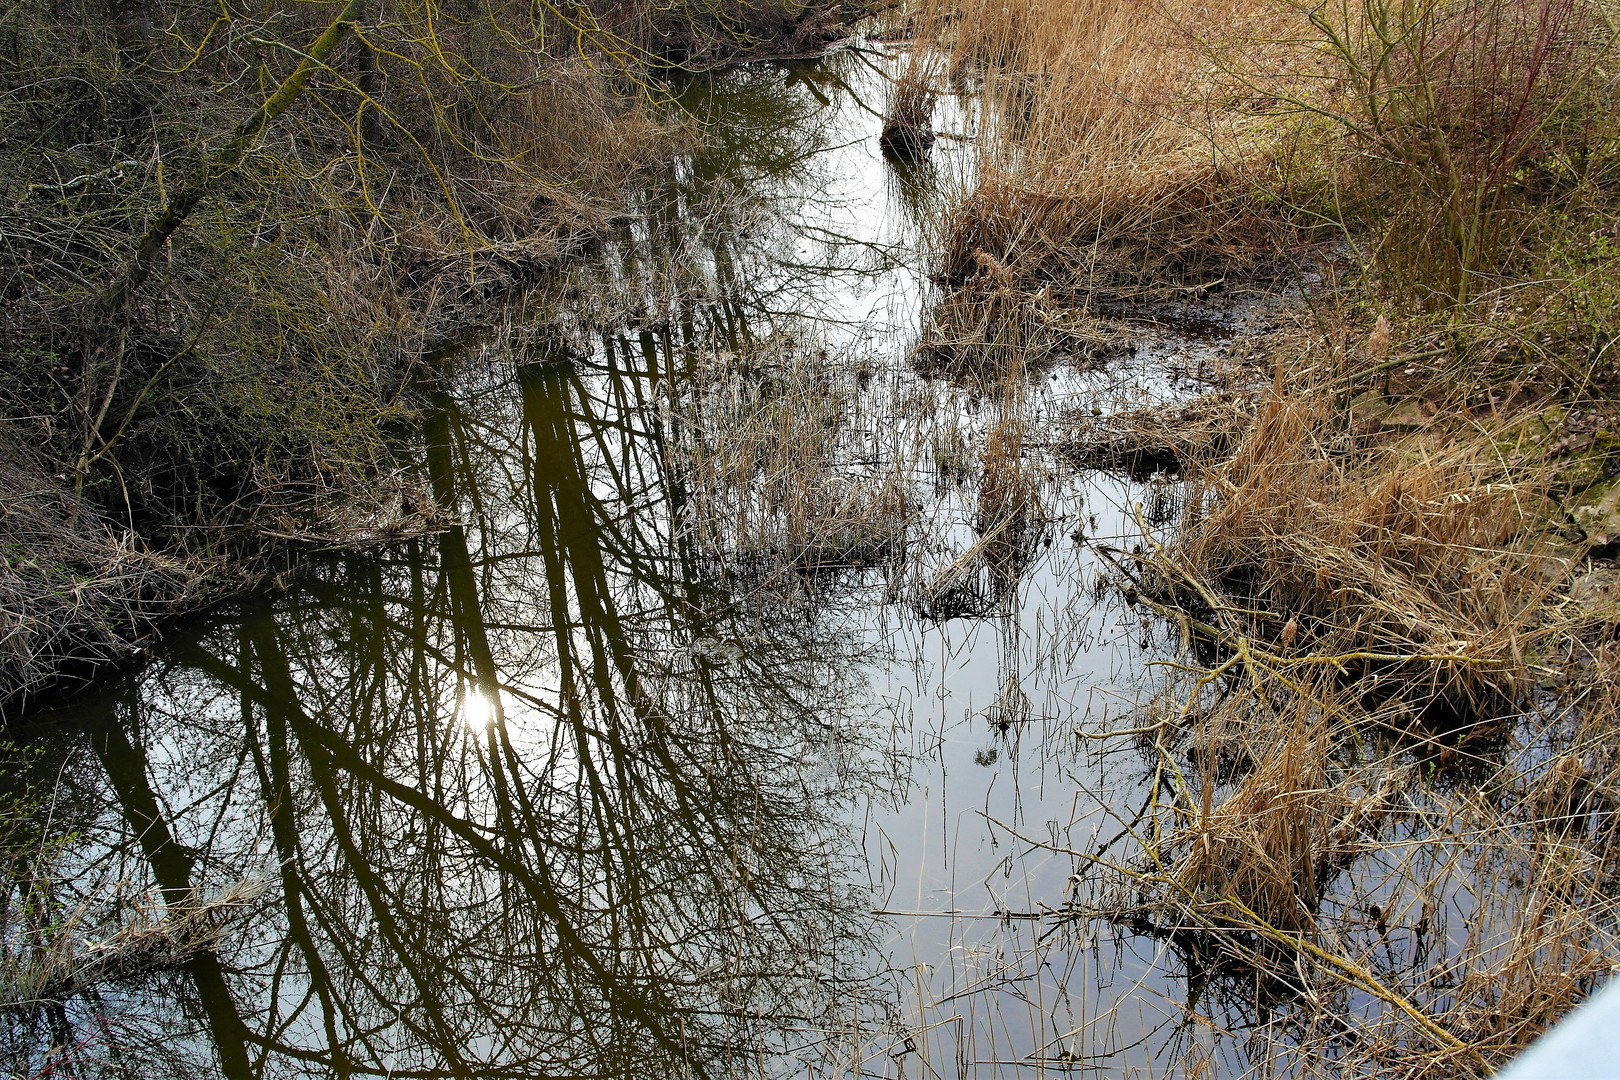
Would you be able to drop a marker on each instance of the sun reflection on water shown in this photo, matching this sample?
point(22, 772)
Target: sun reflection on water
point(477, 709)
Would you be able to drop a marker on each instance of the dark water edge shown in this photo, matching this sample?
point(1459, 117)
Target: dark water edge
point(713, 741)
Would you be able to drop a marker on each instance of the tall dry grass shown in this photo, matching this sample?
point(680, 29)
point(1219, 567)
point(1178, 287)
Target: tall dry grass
point(1010, 514)
point(1376, 918)
point(1423, 546)
point(1112, 149)
point(1126, 148)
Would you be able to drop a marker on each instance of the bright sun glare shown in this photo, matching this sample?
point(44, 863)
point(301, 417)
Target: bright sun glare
point(477, 709)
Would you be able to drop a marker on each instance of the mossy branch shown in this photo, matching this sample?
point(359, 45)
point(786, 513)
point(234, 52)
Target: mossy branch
point(222, 162)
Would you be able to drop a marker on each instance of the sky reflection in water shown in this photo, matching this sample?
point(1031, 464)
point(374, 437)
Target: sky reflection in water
point(610, 779)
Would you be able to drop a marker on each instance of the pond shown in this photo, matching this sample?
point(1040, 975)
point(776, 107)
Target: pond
point(738, 725)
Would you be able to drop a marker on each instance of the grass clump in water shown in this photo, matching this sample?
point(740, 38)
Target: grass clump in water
point(769, 467)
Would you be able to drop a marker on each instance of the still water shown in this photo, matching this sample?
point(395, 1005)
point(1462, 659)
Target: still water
point(729, 732)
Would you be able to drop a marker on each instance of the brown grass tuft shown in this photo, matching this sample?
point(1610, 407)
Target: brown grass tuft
point(908, 115)
point(1109, 159)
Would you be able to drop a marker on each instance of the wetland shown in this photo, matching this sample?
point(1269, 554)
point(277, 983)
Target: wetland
point(789, 620)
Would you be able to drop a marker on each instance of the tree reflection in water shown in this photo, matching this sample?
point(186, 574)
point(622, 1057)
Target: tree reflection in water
point(546, 794)
point(629, 861)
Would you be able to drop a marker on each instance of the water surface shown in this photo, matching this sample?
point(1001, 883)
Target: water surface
point(715, 739)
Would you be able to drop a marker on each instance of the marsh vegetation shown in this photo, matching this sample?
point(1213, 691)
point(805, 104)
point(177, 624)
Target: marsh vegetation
point(1056, 536)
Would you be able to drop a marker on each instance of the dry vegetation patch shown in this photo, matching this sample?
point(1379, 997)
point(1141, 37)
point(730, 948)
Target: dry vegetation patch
point(71, 586)
point(1383, 761)
point(1117, 153)
point(1387, 752)
point(1158, 438)
point(773, 480)
point(1131, 150)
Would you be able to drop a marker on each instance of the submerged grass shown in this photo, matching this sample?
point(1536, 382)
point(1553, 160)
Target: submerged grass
point(767, 466)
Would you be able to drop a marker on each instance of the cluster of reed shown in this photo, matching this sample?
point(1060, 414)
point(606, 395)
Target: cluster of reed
point(1374, 918)
point(908, 114)
point(1388, 749)
point(767, 465)
point(1107, 157)
point(64, 960)
point(1009, 513)
point(1126, 148)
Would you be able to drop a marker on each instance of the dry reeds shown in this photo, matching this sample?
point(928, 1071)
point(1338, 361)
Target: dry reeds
point(1107, 160)
point(1380, 817)
point(1128, 148)
point(1390, 921)
point(62, 962)
point(1419, 561)
point(1009, 513)
point(1163, 438)
point(768, 476)
point(908, 114)
point(1010, 519)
